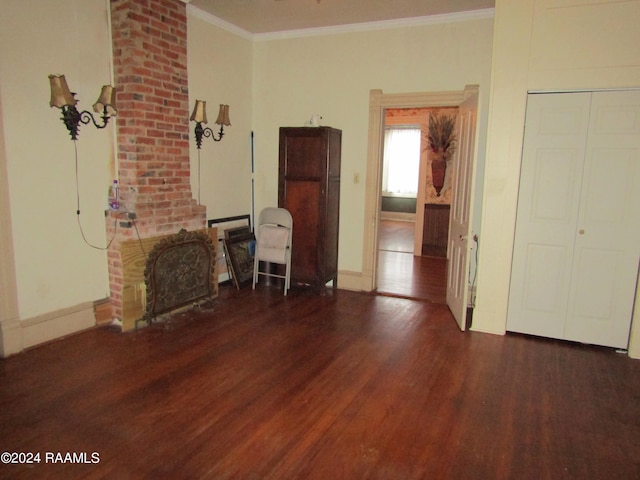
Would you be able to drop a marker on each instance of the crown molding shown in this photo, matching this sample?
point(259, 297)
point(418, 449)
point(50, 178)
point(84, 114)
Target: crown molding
point(218, 22)
point(339, 29)
point(381, 25)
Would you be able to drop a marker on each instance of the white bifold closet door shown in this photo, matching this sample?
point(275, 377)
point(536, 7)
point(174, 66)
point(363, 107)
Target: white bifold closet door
point(577, 240)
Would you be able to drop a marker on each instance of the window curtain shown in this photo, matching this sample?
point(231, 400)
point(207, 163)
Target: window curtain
point(401, 161)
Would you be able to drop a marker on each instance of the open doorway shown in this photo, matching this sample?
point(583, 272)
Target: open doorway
point(461, 233)
point(414, 217)
point(402, 274)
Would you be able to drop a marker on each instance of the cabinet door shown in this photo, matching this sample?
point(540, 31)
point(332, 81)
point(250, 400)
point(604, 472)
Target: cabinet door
point(302, 199)
point(303, 152)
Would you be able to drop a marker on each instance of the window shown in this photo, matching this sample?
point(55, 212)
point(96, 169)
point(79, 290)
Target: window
point(401, 160)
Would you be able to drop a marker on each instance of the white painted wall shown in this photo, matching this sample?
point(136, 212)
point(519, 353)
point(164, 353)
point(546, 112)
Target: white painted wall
point(268, 83)
point(532, 51)
point(332, 75)
point(272, 83)
point(220, 71)
point(55, 269)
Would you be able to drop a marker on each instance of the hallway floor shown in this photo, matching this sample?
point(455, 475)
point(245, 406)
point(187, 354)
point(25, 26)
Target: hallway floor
point(402, 274)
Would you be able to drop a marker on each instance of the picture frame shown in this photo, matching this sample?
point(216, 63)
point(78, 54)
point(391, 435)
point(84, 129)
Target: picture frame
point(240, 250)
point(224, 224)
point(231, 233)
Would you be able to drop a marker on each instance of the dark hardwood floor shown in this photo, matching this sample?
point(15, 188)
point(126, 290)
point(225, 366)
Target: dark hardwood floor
point(341, 386)
point(402, 274)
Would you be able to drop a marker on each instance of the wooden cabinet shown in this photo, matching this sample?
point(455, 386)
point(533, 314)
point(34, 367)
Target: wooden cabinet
point(435, 232)
point(309, 187)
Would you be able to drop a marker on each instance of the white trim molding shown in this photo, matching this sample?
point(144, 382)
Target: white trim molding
point(338, 29)
point(380, 25)
point(16, 335)
point(218, 22)
point(349, 280)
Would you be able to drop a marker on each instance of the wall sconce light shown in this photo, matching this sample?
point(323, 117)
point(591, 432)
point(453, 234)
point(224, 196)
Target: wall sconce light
point(199, 116)
point(65, 100)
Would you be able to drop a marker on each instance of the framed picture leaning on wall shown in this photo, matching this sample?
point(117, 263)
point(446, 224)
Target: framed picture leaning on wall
point(240, 249)
point(224, 224)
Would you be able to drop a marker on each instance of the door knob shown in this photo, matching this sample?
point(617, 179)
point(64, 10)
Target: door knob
point(581, 231)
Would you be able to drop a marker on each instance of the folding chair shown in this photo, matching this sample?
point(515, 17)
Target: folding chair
point(274, 231)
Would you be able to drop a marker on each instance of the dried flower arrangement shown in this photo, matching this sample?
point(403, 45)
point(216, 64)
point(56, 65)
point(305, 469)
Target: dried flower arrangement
point(441, 139)
point(441, 136)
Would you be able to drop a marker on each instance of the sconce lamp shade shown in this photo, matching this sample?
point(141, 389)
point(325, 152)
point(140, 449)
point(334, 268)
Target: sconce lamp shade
point(106, 100)
point(223, 116)
point(199, 114)
point(65, 100)
point(61, 96)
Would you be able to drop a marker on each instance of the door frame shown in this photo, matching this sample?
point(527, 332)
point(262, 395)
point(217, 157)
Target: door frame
point(378, 103)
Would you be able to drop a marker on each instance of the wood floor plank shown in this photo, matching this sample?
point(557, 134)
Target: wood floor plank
point(345, 385)
point(404, 275)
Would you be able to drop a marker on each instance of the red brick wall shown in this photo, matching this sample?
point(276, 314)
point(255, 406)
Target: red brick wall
point(150, 69)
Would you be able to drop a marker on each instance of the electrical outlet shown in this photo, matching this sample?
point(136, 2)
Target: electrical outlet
point(131, 215)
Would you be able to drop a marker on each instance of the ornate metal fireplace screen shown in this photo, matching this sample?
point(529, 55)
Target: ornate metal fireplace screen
point(179, 272)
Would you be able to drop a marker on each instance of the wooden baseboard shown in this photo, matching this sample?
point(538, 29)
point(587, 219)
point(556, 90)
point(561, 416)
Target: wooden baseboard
point(58, 324)
point(350, 280)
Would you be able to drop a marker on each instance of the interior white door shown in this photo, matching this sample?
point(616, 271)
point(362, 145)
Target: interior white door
point(607, 247)
point(461, 208)
point(577, 241)
point(552, 161)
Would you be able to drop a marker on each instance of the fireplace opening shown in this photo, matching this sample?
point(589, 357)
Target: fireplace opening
point(179, 272)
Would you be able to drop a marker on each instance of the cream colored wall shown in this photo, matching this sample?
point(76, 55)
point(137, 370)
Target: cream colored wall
point(55, 269)
point(332, 75)
point(220, 71)
point(541, 45)
point(9, 319)
point(267, 83)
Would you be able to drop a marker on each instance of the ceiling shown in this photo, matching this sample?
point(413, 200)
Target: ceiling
point(268, 16)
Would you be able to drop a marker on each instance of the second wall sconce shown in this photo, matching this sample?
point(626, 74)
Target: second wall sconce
point(199, 116)
point(65, 100)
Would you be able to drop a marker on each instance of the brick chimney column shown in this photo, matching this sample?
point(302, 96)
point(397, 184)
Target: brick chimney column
point(150, 68)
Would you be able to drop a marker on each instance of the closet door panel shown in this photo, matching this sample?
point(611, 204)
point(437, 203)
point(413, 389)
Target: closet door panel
point(548, 203)
point(596, 271)
point(608, 241)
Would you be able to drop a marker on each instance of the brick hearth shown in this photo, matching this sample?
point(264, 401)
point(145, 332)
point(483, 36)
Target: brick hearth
point(150, 69)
